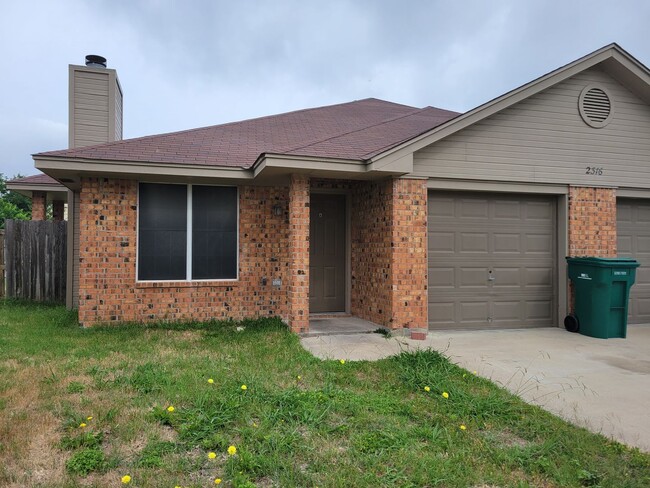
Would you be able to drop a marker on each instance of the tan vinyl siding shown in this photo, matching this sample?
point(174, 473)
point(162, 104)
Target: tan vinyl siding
point(543, 139)
point(95, 106)
point(90, 108)
point(118, 113)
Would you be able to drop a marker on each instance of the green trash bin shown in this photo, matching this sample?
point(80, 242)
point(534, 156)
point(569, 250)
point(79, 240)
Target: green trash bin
point(602, 288)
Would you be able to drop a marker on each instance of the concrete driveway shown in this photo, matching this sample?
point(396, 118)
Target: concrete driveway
point(603, 385)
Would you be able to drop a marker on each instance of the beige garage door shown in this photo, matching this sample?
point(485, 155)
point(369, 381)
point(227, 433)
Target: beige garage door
point(492, 260)
point(633, 228)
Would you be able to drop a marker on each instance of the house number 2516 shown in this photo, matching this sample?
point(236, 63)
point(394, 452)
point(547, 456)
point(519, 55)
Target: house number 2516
point(592, 170)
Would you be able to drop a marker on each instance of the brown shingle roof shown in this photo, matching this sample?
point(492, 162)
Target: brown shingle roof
point(356, 130)
point(39, 179)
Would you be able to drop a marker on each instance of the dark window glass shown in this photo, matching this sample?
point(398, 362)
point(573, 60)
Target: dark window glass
point(214, 232)
point(162, 237)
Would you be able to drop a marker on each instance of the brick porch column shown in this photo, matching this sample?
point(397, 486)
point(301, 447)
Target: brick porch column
point(57, 210)
point(39, 204)
point(592, 225)
point(409, 257)
point(592, 222)
point(298, 285)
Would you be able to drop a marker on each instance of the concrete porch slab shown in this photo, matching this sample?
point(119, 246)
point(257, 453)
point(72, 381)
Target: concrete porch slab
point(327, 325)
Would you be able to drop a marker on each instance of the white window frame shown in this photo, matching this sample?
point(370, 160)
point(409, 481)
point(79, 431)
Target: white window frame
point(188, 230)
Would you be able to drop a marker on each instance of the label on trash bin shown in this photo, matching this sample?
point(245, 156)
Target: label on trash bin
point(620, 273)
point(584, 276)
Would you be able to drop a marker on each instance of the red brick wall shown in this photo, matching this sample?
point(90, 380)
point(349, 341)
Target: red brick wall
point(39, 205)
point(372, 274)
point(592, 222)
point(409, 256)
point(389, 253)
point(298, 277)
point(107, 288)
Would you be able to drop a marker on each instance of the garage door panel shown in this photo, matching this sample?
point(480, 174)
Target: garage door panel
point(541, 212)
point(643, 215)
point(507, 310)
point(472, 208)
point(473, 310)
point(506, 211)
point(633, 229)
point(507, 243)
point(441, 277)
point(538, 277)
point(441, 242)
point(473, 277)
point(539, 310)
point(539, 244)
point(513, 236)
point(506, 277)
point(474, 242)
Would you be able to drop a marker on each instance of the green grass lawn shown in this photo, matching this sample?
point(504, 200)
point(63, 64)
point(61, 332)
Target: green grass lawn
point(85, 407)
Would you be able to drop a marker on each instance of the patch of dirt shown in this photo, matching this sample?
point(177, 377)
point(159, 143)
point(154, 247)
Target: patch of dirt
point(505, 438)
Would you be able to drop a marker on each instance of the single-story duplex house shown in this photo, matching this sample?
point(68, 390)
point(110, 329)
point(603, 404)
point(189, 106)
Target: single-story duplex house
point(411, 218)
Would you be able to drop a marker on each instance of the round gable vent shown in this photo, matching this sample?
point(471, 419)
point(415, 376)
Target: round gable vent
point(595, 106)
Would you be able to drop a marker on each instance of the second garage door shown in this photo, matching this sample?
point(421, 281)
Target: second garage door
point(492, 260)
point(633, 229)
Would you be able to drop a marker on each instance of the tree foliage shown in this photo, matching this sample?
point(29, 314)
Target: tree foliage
point(13, 205)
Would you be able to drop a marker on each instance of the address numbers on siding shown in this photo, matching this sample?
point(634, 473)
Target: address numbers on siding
point(592, 170)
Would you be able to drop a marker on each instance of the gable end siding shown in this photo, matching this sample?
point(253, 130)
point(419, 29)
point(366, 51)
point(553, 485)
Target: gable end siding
point(543, 139)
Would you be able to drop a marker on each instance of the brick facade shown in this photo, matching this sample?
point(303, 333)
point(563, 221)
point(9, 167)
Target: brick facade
point(298, 276)
point(107, 253)
point(389, 254)
point(39, 205)
point(592, 222)
point(409, 257)
point(388, 257)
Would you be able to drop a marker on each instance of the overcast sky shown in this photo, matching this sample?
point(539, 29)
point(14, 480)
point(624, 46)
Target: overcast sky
point(185, 63)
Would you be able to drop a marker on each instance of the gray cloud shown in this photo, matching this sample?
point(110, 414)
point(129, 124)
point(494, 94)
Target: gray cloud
point(195, 63)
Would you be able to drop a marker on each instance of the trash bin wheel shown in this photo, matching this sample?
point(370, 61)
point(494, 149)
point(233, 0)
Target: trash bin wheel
point(571, 323)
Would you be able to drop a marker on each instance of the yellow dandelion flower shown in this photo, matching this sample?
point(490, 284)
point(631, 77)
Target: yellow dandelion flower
point(244, 387)
point(126, 479)
point(212, 455)
point(445, 394)
point(299, 377)
point(426, 388)
point(217, 481)
point(232, 450)
point(82, 425)
point(342, 361)
point(474, 372)
point(462, 427)
point(210, 380)
point(89, 418)
point(170, 409)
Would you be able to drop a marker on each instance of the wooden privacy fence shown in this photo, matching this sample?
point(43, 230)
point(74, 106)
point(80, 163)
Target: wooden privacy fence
point(35, 260)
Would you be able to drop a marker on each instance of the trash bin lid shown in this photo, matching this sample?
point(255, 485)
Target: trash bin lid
point(605, 262)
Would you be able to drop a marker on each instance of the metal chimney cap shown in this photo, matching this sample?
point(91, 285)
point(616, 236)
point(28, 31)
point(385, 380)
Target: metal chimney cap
point(94, 61)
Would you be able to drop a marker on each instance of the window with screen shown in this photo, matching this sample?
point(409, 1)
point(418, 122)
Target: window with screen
point(187, 232)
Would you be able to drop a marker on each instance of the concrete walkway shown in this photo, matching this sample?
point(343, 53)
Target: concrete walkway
point(603, 385)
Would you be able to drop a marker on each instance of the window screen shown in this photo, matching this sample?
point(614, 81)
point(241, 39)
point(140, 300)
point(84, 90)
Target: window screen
point(162, 242)
point(214, 232)
point(163, 232)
